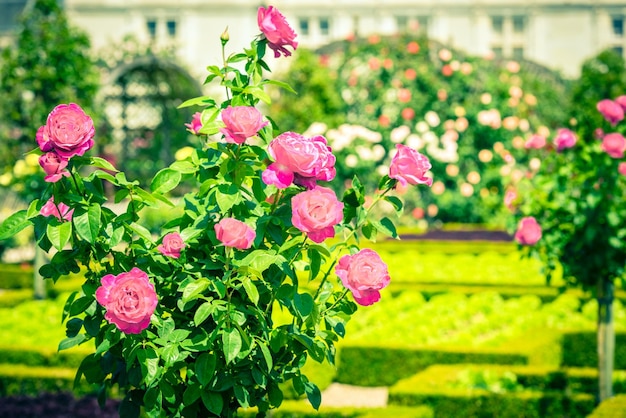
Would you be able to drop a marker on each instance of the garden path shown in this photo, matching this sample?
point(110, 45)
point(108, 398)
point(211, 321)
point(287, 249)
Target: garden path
point(340, 395)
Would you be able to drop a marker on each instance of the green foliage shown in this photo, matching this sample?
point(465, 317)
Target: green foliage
point(24, 380)
point(300, 410)
point(580, 349)
point(442, 388)
point(408, 89)
point(614, 407)
point(48, 64)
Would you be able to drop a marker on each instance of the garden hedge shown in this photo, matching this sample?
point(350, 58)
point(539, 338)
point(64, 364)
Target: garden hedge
point(25, 380)
point(384, 366)
point(614, 407)
point(580, 350)
point(437, 387)
point(292, 409)
point(30, 356)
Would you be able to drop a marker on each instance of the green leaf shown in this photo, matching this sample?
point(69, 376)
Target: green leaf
point(213, 402)
point(165, 180)
point(202, 101)
point(313, 394)
point(260, 260)
point(395, 202)
point(149, 363)
point(369, 231)
point(267, 355)
point(251, 290)
point(227, 196)
point(14, 224)
point(386, 226)
point(231, 340)
point(281, 85)
point(59, 235)
point(71, 342)
point(303, 303)
point(259, 93)
point(141, 231)
point(203, 312)
point(191, 394)
point(205, 368)
point(88, 224)
point(102, 163)
point(184, 167)
point(193, 289)
point(170, 354)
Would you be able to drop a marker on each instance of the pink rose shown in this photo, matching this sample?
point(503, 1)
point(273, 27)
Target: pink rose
point(564, 139)
point(611, 111)
point(276, 30)
point(234, 233)
point(241, 122)
point(535, 142)
point(129, 299)
point(299, 160)
point(60, 210)
point(196, 123)
point(364, 274)
point(68, 131)
point(614, 144)
point(54, 166)
point(621, 100)
point(621, 168)
point(316, 212)
point(528, 231)
point(409, 166)
point(172, 245)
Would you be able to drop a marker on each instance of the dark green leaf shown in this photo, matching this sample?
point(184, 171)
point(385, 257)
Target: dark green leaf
point(303, 303)
point(205, 368)
point(213, 402)
point(313, 394)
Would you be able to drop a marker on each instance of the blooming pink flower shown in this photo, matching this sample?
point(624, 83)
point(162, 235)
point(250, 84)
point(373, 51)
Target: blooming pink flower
point(621, 100)
point(535, 142)
point(612, 111)
point(129, 299)
point(172, 245)
point(234, 233)
point(364, 274)
point(276, 30)
point(196, 123)
point(299, 160)
point(509, 199)
point(68, 131)
point(241, 122)
point(528, 231)
point(315, 212)
point(60, 210)
point(621, 168)
point(614, 144)
point(54, 166)
point(564, 139)
point(409, 166)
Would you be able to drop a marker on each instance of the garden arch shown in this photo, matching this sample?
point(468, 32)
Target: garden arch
point(142, 123)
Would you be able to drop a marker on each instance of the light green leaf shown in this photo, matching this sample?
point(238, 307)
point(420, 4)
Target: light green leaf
point(260, 260)
point(267, 355)
point(231, 340)
point(165, 180)
point(259, 93)
point(193, 289)
point(71, 342)
point(203, 312)
point(14, 224)
point(251, 290)
point(227, 197)
point(88, 224)
point(141, 231)
point(59, 235)
point(202, 101)
point(102, 163)
point(281, 85)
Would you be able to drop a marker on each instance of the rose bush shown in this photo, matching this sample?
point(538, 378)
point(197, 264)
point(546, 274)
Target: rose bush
point(182, 320)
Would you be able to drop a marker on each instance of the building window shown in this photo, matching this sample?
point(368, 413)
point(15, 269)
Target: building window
point(619, 50)
point(151, 26)
point(303, 23)
point(518, 53)
point(618, 26)
point(171, 28)
point(324, 26)
point(422, 24)
point(497, 24)
point(497, 51)
point(518, 24)
point(402, 23)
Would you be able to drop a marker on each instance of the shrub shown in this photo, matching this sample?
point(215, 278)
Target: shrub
point(24, 380)
point(580, 350)
point(614, 407)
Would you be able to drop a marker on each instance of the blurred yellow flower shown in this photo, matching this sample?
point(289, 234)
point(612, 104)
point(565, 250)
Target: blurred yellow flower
point(183, 153)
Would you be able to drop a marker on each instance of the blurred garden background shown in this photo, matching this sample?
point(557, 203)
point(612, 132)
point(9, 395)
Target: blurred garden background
point(469, 327)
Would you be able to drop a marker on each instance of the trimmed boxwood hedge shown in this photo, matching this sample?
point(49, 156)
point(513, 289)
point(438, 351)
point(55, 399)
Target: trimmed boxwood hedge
point(435, 387)
point(384, 366)
point(30, 356)
point(303, 410)
point(580, 350)
point(614, 407)
point(26, 380)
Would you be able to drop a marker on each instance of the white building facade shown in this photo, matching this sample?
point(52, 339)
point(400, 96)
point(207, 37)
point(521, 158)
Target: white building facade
point(557, 34)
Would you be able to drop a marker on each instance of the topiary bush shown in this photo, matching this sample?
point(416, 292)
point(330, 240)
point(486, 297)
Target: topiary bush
point(580, 349)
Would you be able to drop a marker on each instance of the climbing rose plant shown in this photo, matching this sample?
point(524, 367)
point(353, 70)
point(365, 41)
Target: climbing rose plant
point(184, 322)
